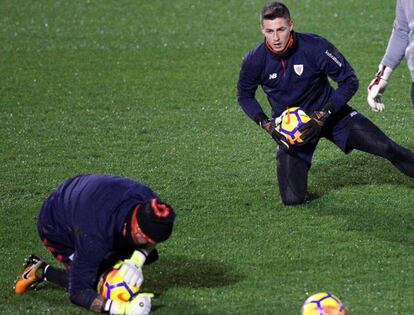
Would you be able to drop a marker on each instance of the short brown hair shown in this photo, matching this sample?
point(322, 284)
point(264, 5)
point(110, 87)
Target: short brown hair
point(274, 10)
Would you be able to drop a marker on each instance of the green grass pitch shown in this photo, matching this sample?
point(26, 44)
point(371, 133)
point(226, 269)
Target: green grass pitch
point(146, 89)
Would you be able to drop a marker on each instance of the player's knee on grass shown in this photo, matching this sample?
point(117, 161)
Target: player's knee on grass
point(293, 192)
point(292, 175)
point(292, 199)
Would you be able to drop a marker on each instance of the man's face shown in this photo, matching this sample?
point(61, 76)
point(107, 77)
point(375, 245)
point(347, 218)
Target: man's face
point(277, 33)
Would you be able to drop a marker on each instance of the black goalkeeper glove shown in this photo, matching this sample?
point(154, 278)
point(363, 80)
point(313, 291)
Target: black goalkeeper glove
point(270, 127)
point(312, 129)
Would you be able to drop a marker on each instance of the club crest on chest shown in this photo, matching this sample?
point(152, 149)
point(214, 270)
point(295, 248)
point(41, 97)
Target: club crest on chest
point(298, 69)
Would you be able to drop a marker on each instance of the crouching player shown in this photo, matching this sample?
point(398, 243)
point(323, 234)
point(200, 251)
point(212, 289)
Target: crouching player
point(88, 223)
point(293, 70)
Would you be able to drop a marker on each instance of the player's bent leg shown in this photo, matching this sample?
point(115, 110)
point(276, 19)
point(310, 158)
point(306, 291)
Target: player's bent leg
point(292, 175)
point(36, 271)
point(32, 275)
point(59, 247)
point(367, 137)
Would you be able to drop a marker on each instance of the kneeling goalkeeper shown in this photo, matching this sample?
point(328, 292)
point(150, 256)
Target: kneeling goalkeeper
point(88, 223)
point(293, 70)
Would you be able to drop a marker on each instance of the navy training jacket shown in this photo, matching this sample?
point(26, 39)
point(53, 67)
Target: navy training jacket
point(90, 210)
point(299, 79)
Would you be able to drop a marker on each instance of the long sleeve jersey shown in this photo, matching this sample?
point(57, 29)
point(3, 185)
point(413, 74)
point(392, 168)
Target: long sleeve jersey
point(401, 41)
point(90, 210)
point(298, 79)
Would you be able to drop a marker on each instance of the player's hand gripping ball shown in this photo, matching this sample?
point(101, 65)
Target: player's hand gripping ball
point(289, 122)
point(112, 286)
point(323, 304)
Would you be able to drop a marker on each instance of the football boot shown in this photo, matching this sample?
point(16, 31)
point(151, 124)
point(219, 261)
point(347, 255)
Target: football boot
point(31, 276)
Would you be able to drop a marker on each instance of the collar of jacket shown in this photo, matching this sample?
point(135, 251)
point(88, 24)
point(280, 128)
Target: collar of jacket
point(290, 48)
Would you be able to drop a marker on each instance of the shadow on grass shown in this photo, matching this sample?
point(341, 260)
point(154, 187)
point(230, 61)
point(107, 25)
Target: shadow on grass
point(354, 170)
point(371, 210)
point(180, 306)
point(189, 273)
point(391, 222)
point(181, 271)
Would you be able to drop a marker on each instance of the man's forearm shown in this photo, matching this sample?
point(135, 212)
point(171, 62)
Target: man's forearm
point(252, 109)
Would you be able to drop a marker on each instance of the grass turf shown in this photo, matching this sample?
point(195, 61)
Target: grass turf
point(147, 90)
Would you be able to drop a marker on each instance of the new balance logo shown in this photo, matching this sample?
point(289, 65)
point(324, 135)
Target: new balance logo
point(272, 76)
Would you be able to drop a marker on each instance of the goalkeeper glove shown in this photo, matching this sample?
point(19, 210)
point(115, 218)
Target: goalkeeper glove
point(139, 305)
point(377, 87)
point(312, 129)
point(270, 126)
point(131, 270)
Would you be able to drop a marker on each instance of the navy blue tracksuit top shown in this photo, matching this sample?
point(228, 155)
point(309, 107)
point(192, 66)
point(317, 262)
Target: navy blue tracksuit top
point(300, 79)
point(87, 213)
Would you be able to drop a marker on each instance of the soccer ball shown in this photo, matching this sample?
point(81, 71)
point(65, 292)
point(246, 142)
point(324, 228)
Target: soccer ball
point(323, 304)
point(112, 286)
point(291, 119)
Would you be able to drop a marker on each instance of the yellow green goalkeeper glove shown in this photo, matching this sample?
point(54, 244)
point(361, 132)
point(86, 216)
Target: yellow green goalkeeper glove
point(140, 305)
point(131, 270)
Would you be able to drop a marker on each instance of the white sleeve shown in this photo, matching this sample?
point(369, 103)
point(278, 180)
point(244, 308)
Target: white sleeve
point(398, 41)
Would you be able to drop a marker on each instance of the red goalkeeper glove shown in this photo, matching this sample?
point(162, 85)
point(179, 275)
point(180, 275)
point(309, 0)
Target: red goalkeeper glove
point(377, 87)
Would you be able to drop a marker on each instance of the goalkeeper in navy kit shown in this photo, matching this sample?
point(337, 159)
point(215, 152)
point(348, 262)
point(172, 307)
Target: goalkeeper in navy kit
point(293, 70)
point(88, 223)
point(400, 43)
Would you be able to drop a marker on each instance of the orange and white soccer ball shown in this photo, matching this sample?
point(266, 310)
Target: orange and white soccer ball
point(289, 122)
point(323, 304)
point(112, 286)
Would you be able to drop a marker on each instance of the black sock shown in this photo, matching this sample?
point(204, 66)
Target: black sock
point(57, 276)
